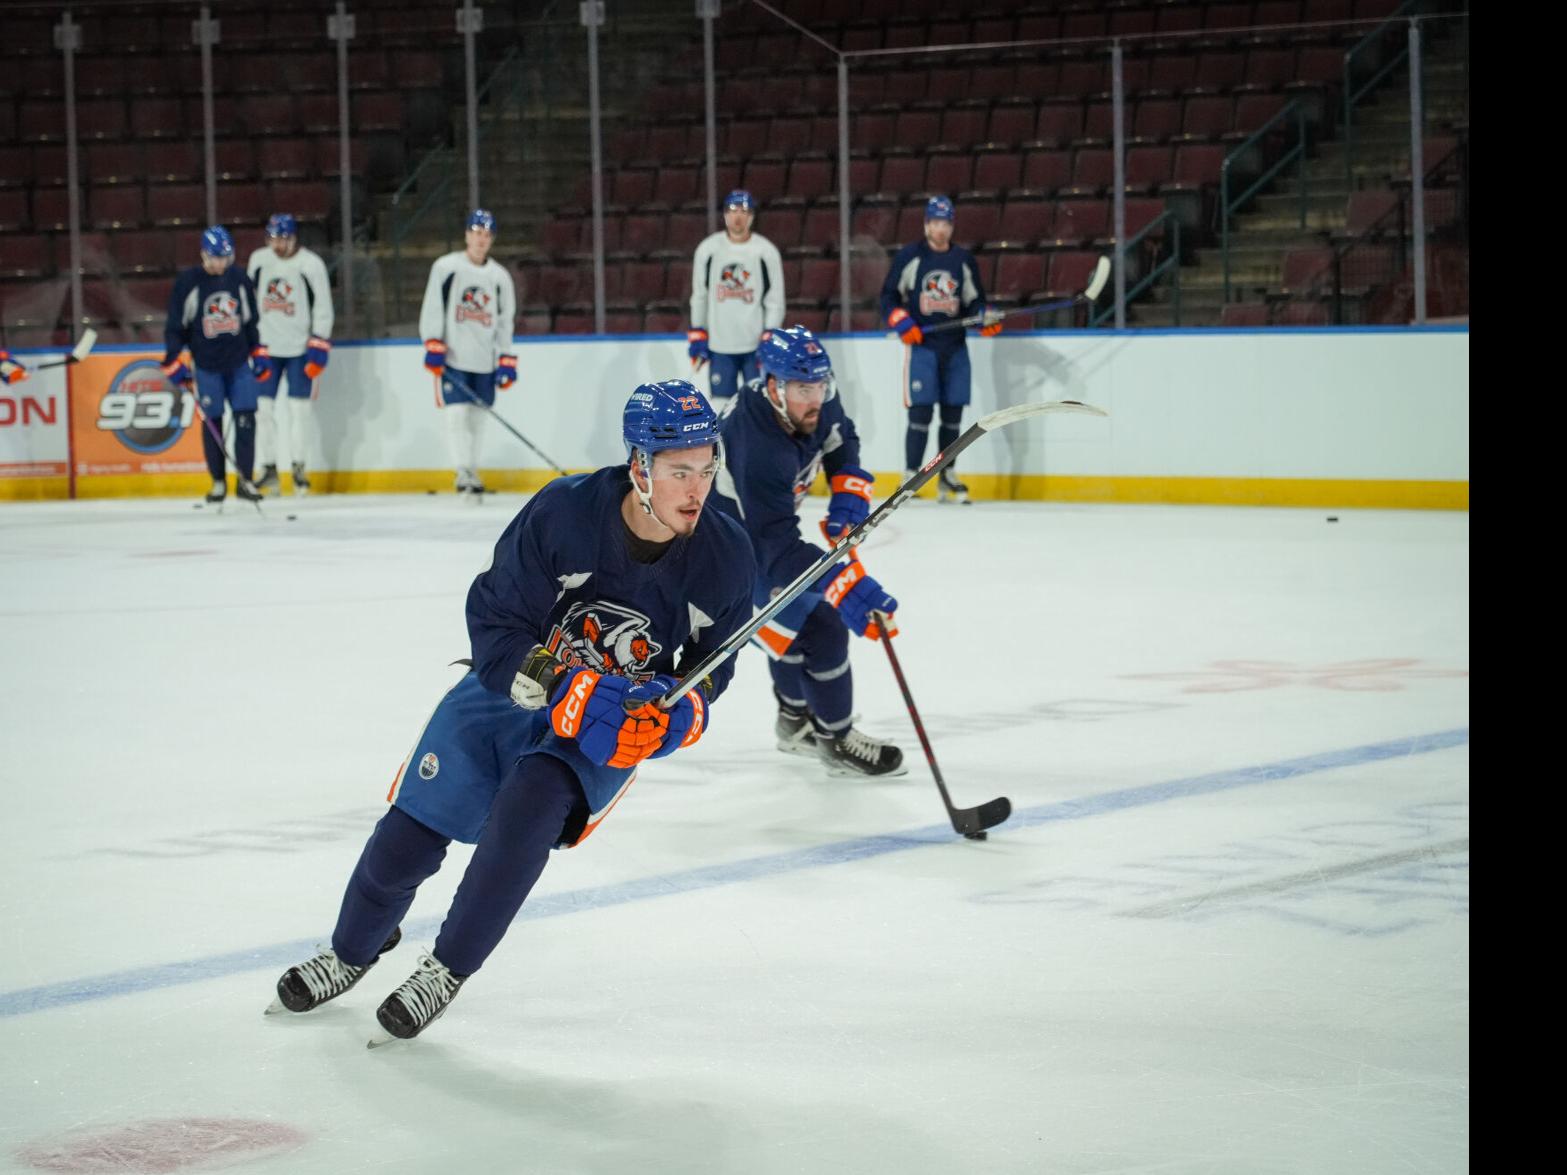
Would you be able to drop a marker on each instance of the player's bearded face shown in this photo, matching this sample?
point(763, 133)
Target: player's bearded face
point(938, 233)
point(803, 404)
point(283, 246)
point(479, 241)
point(682, 479)
point(215, 265)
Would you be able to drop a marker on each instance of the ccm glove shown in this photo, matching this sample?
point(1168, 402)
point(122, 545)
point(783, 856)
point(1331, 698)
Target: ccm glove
point(908, 330)
point(317, 354)
point(687, 718)
point(506, 371)
point(698, 347)
point(434, 355)
point(857, 596)
point(850, 504)
point(590, 707)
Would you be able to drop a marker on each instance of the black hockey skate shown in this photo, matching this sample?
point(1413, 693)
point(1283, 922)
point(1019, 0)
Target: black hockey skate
point(420, 1001)
point(323, 978)
point(268, 482)
point(244, 491)
point(301, 479)
point(949, 488)
point(853, 754)
point(796, 735)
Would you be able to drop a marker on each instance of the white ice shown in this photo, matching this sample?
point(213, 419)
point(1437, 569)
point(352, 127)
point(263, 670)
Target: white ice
point(1225, 931)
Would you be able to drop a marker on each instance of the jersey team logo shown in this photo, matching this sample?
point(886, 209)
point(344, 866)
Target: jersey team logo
point(220, 315)
point(608, 638)
point(429, 766)
point(279, 296)
point(734, 282)
point(938, 293)
point(474, 306)
point(807, 478)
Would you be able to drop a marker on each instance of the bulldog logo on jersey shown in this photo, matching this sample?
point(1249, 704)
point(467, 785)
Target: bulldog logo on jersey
point(279, 296)
point(220, 315)
point(807, 478)
point(938, 293)
point(474, 306)
point(734, 282)
point(609, 638)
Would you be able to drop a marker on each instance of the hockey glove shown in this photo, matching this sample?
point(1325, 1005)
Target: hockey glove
point(698, 347)
point(856, 595)
point(261, 365)
point(850, 502)
point(175, 371)
point(687, 717)
point(536, 680)
point(506, 371)
point(317, 353)
point(434, 355)
point(908, 330)
point(11, 372)
point(990, 325)
point(589, 707)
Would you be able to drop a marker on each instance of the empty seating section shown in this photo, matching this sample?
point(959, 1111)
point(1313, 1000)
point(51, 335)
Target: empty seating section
point(140, 120)
point(1019, 135)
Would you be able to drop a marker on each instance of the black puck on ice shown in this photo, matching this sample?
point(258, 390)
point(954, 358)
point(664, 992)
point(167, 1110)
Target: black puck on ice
point(293, 517)
point(980, 835)
point(1332, 517)
point(431, 493)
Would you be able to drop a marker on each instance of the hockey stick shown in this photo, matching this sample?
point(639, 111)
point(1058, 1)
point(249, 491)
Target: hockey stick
point(971, 822)
point(78, 353)
point(507, 426)
point(858, 535)
point(1095, 286)
point(239, 478)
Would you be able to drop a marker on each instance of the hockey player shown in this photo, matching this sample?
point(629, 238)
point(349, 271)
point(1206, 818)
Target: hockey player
point(603, 588)
point(212, 312)
point(12, 371)
point(787, 426)
point(737, 296)
point(296, 328)
point(466, 323)
point(930, 282)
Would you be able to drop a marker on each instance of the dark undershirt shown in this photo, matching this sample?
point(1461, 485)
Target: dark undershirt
point(641, 550)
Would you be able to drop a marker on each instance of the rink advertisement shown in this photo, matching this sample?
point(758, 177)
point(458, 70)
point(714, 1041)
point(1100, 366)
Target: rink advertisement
point(129, 430)
point(34, 439)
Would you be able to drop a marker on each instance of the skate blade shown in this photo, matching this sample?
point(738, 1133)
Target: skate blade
point(851, 773)
point(806, 750)
point(274, 1008)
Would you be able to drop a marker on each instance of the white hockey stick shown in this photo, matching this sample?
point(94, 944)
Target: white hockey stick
point(860, 533)
point(79, 352)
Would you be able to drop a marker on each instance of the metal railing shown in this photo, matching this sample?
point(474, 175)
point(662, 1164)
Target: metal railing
point(1227, 206)
point(1354, 95)
point(1171, 263)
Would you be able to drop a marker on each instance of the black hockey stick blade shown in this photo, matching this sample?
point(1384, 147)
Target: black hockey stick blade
point(970, 821)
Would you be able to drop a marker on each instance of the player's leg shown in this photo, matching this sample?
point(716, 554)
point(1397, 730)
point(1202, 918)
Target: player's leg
point(954, 397)
point(457, 398)
point(301, 419)
point(266, 433)
point(243, 395)
point(211, 395)
point(540, 799)
point(482, 388)
point(919, 397)
point(725, 375)
point(828, 685)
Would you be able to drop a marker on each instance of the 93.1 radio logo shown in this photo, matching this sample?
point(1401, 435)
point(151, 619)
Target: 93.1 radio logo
point(143, 410)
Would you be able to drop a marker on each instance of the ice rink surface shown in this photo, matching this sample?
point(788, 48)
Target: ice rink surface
point(1225, 931)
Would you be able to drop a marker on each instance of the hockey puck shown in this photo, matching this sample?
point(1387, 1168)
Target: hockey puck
point(431, 493)
point(293, 518)
point(1332, 517)
point(980, 835)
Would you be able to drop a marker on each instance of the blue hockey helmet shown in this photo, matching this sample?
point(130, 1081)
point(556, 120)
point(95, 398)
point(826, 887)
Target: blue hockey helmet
point(794, 353)
point(739, 198)
point(282, 224)
point(481, 218)
point(216, 242)
point(671, 414)
point(938, 208)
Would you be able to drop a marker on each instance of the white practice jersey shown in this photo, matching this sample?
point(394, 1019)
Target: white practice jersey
point(296, 299)
point(471, 309)
point(737, 292)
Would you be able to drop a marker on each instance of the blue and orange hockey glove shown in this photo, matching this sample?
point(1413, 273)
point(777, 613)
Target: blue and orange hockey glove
point(908, 330)
point(850, 503)
point(697, 348)
point(434, 356)
point(175, 371)
point(687, 717)
point(857, 596)
point(590, 707)
point(506, 371)
point(318, 353)
point(990, 325)
point(261, 365)
point(11, 372)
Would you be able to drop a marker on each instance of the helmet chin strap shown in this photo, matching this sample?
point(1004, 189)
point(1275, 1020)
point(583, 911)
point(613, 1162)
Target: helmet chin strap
point(640, 459)
point(771, 383)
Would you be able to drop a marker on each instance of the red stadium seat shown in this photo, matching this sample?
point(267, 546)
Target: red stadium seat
point(1027, 221)
point(21, 256)
point(1205, 119)
point(948, 173)
point(1303, 313)
point(1060, 122)
point(310, 203)
point(235, 159)
point(1244, 314)
point(764, 179)
point(122, 206)
point(177, 204)
point(810, 178)
point(283, 159)
point(978, 221)
point(1082, 222)
point(1069, 273)
point(142, 251)
point(1148, 167)
point(14, 214)
point(964, 126)
point(1093, 171)
point(114, 163)
point(998, 171)
point(1172, 73)
point(1306, 271)
point(271, 114)
point(1012, 123)
point(1047, 171)
point(1019, 274)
